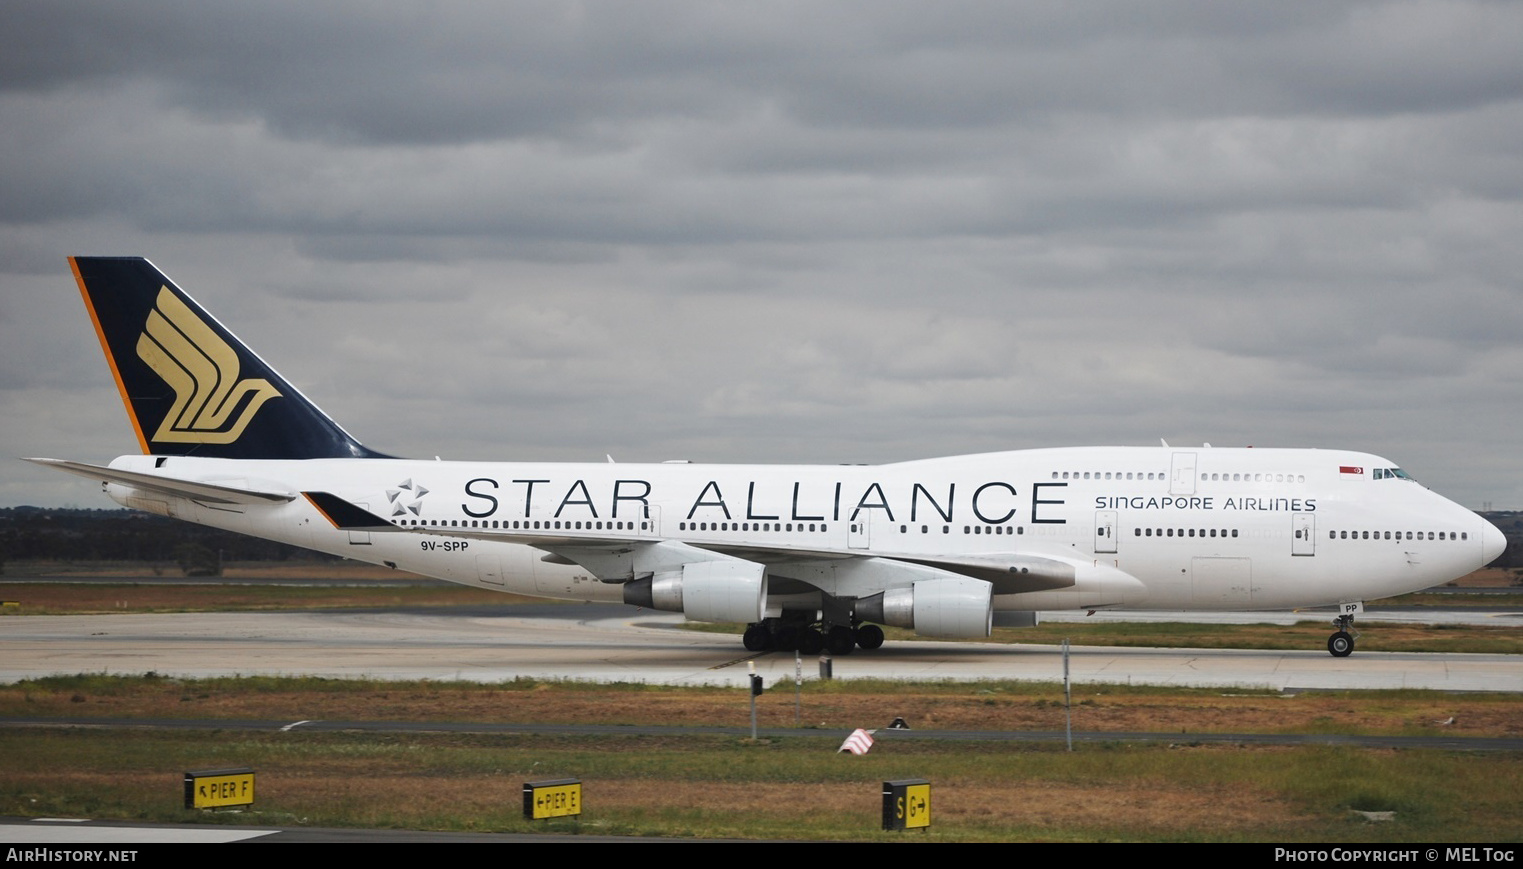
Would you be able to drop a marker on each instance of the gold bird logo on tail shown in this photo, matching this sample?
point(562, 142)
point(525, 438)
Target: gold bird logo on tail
point(212, 406)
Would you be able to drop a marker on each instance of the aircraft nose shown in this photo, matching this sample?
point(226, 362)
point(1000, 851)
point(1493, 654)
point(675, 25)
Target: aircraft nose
point(1493, 542)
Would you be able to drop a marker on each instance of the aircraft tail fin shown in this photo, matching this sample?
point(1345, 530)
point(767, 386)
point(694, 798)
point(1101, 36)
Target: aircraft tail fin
point(190, 386)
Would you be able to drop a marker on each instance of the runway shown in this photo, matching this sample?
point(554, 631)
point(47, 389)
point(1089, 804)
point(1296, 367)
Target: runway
point(616, 643)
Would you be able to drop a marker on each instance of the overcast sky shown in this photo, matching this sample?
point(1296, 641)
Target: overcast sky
point(787, 232)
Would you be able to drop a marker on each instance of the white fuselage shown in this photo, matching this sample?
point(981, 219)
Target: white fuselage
point(1143, 528)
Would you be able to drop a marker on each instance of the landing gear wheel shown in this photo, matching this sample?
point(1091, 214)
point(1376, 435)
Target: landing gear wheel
point(869, 637)
point(1341, 644)
point(811, 641)
point(757, 638)
point(785, 638)
point(840, 640)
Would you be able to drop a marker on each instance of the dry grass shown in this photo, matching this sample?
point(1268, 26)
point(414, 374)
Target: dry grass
point(1491, 577)
point(1306, 635)
point(789, 789)
point(993, 706)
point(491, 801)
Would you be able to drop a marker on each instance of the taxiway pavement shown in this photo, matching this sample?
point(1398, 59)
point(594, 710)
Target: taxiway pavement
point(615, 643)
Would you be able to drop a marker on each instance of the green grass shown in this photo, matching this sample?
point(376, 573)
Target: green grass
point(790, 787)
point(668, 787)
point(1374, 637)
point(99, 685)
point(1455, 600)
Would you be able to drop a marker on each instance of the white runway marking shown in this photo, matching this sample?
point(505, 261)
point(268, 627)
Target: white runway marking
point(55, 831)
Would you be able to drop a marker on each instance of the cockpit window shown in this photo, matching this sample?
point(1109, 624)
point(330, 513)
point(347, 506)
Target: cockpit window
point(1391, 474)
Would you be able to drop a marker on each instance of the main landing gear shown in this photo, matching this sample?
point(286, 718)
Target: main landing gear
point(1341, 643)
point(785, 636)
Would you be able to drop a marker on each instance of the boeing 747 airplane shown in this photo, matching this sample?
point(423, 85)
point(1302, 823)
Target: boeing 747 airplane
point(805, 555)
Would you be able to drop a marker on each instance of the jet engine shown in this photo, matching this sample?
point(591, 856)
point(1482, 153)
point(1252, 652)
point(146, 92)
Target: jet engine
point(709, 591)
point(954, 608)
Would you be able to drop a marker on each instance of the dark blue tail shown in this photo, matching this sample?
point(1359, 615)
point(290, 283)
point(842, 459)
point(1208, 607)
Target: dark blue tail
point(190, 386)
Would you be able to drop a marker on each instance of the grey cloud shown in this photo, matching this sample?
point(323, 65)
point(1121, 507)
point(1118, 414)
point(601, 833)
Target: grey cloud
point(473, 73)
point(790, 232)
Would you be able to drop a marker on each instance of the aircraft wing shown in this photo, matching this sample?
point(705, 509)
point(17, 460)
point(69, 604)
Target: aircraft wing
point(610, 557)
point(195, 490)
point(1010, 573)
point(347, 516)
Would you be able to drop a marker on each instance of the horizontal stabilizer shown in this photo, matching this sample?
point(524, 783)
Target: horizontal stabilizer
point(195, 490)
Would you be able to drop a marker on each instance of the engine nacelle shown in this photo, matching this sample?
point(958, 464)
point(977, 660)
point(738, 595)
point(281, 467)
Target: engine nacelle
point(954, 608)
point(1015, 619)
point(707, 591)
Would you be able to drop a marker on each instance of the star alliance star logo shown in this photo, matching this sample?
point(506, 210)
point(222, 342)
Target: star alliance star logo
point(212, 406)
point(396, 498)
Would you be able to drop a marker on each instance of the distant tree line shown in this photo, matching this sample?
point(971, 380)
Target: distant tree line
point(1510, 522)
point(50, 534)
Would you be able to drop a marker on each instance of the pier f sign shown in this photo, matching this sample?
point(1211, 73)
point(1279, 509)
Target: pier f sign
point(219, 788)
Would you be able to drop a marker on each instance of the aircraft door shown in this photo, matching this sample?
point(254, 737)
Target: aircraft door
point(1182, 474)
point(858, 535)
point(360, 538)
point(1105, 531)
point(650, 522)
point(1303, 534)
point(489, 570)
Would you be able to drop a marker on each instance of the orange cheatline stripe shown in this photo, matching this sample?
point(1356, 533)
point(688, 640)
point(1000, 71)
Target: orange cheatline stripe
point(100, 333)
point(319, 509)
